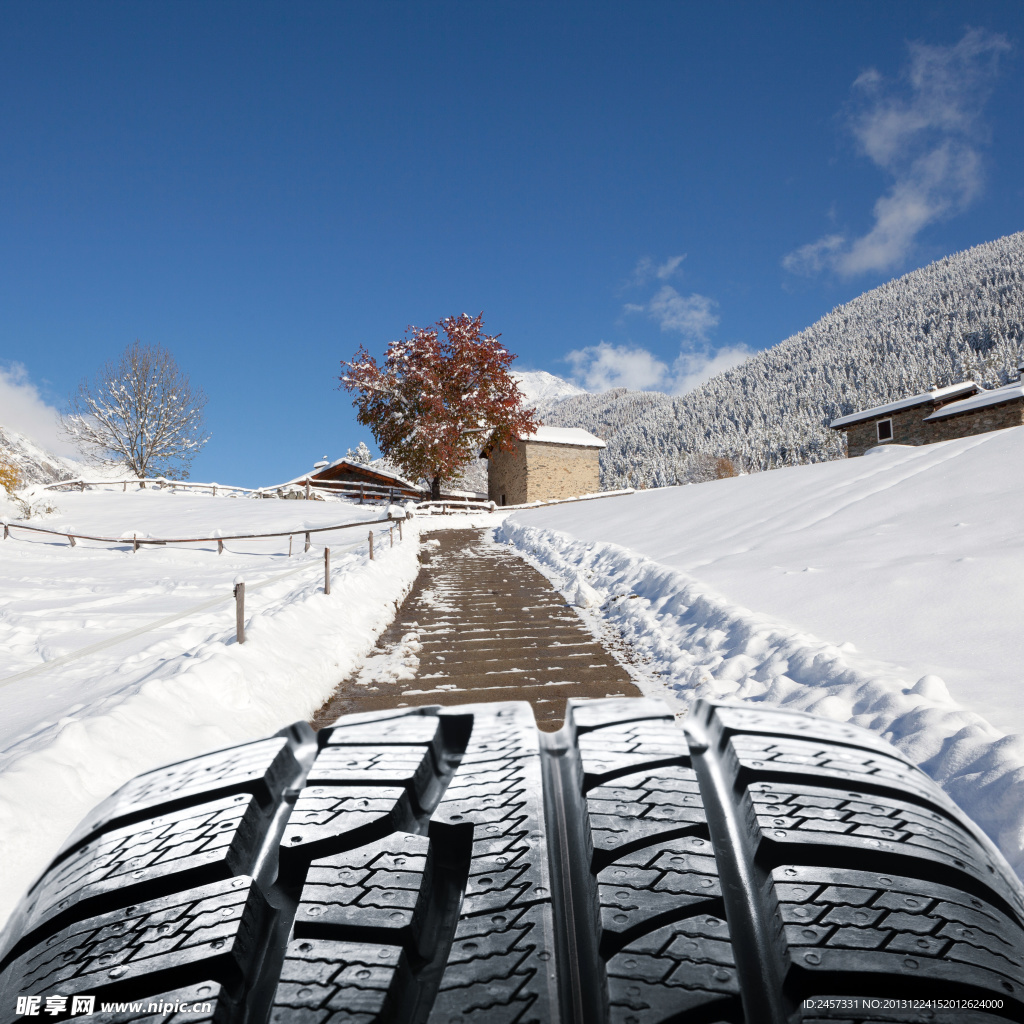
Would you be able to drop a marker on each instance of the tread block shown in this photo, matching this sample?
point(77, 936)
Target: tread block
point(329, 818)
point(380, 888)
point(642, 806)
point(410, 766)
point(262, 768)
point(678, 877)
point(211, 931)
point(597, 714)
point(757, 756)
point(502, 800)
point(338, 982)
point(408, 730)
point(799, 725)
point(501, 964)
point(797, 814)
point(197, 843)
point(685, 965)
point(502, 956)
point(613, 750)
point(850, 921)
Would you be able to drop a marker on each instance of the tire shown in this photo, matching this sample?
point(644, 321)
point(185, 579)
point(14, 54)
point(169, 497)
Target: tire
point(456, 865)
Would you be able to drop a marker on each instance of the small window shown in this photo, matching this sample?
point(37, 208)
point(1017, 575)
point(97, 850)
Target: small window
point(503, 499)
point(885, 430)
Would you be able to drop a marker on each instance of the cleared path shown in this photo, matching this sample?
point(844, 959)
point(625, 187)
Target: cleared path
point(480, 624)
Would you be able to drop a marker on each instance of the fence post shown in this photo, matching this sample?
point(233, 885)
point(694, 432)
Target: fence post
point(327, 570)
point(360, 494)
point(306, 548)
point(399, 529)
point(220, 546)
point(124, 486)
point(71, 537)
point(391, 534)
point(240, 611)
point(214, 490)
point(7, 532)
point(135, 542)
point(289, 545)
point(371, 545)
point(307, 488)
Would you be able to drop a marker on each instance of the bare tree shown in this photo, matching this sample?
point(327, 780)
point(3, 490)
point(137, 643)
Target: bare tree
point(141, 410)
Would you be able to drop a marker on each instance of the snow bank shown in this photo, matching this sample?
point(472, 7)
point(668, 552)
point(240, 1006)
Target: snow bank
point(73, 733)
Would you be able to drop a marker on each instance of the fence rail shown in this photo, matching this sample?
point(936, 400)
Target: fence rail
point(139, 542)
point(160, 481)
point(309, 485)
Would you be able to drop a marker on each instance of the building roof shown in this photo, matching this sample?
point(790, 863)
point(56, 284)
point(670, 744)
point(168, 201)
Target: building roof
point(341, 468)
point(1007, 393)
point(951, 391)
point(564, 435)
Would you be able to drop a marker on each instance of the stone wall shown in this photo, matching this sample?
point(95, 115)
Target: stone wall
point(506, 476)
point(540, 472)
point(910, 427)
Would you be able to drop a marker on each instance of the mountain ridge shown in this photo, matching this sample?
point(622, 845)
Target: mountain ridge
point(961, 317)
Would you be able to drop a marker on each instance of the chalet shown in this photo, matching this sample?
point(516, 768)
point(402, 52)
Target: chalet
point(554, 462)
point(959, 410)
point(357, 480)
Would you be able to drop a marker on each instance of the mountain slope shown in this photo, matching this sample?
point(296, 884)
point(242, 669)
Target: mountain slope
point(961, 317)
point(34, 463)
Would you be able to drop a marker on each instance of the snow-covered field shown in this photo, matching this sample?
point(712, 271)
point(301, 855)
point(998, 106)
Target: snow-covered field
point(886, 590)
point(84, 711)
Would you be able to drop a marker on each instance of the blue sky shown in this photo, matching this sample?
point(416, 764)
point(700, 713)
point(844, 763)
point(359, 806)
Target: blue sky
point(632, 193)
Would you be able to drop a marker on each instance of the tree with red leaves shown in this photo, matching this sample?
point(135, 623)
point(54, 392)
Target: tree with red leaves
point(438, 399)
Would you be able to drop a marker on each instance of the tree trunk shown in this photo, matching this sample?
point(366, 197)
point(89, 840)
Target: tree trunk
point(435, 489)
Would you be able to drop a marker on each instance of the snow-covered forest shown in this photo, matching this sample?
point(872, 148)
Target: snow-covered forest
point(961, 317)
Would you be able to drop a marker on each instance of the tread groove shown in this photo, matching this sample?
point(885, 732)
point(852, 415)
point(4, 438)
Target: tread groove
point(757, 965)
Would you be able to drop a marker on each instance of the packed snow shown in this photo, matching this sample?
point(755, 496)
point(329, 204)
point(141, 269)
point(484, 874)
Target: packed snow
point(92, 695)
point(885, 590)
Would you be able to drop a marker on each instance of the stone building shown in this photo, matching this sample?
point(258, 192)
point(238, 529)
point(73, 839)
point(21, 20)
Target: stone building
point(941, 414)
point(555, 462)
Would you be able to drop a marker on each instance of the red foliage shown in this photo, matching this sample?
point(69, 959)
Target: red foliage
point(438, 398)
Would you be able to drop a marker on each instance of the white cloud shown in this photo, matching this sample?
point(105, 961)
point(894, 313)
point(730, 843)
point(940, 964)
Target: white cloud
point(23, 409)
point(926, 133)
point(693, 368)
point(691, 315)
point(647, 270)
point(814, 256)
point(603, 366)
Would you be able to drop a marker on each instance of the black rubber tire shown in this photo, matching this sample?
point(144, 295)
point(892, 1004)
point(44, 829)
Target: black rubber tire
point(456, 865)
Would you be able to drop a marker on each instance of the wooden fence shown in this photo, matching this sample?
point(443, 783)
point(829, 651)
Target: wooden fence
point(306, 486)
point(136, 542)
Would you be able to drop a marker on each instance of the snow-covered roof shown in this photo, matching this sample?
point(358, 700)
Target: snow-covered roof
point(318, 474)
point(564, 435)
point(966, 387)
point(1007, 393)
